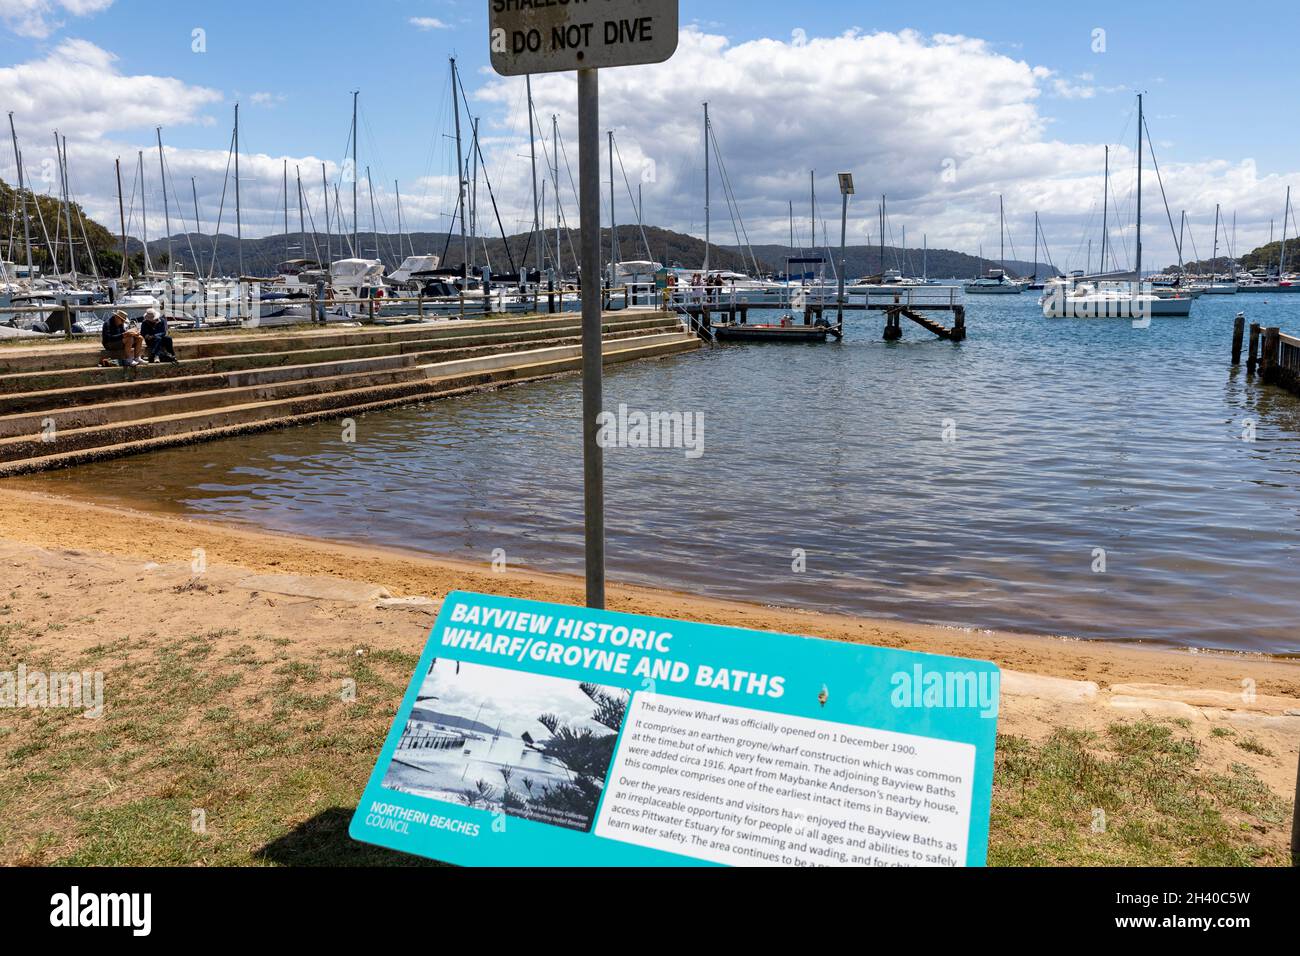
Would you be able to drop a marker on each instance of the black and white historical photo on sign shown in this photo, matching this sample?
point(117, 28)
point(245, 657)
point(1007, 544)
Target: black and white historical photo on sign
point(531, 746)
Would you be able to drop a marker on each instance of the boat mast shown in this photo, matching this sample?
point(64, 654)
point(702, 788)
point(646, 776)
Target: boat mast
point(121, 213)
point(401, 241)
point(374, 226)
point(460, 176)
point(538, 236)
point(356, 236)
point(167, 210)
point(613, 223)
point(882, 238)
point(67, 212)
point(1138, 269)
point(555, 185)
point(18, 161)
point(812, 214)
point(1214, 256)
point(707, 223)
point(302, 220)
point(144, 217)
point(473, 193)
point(1281, 259)
point(925, 258)
point(239, 215)
point(1182, 224)
point(329, 231)
point(1232, 249)
point(194, 191)
point(288, 250)
point(1035, 245)
point(1105, 213)
point(81, 219)
point(1002, 238)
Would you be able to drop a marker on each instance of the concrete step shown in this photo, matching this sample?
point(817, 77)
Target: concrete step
point(148, 385)
point(238, 388)
point(264, 351)
point(31, 453)
point(78, 355)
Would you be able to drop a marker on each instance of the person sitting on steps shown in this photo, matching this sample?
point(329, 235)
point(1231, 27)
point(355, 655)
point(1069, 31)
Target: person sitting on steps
point(154, 329)
point(122, 342)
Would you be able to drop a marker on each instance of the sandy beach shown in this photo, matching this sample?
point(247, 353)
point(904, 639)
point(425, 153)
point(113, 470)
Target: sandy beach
point(104, 588)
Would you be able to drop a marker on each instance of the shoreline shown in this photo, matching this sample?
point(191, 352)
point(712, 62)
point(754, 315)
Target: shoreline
point(223, 691)
point(73, 522)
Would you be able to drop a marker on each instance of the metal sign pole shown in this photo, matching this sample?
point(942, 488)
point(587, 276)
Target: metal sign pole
point(532, 38)
point(1295, 822)
point(593, 461)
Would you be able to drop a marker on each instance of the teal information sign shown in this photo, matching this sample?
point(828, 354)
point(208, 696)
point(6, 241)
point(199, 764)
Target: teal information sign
point(546, 735)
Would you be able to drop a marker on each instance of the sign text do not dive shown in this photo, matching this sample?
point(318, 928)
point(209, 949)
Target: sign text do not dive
point(556, 36)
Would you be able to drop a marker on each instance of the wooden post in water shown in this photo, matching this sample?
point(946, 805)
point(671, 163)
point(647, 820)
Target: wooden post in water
point(893, 325)
point(1238, 333)
point(1252, 361)
point(1268, 353)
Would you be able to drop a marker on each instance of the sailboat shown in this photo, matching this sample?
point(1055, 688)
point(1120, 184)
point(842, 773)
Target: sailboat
point(996, 282)
point(1218, 286)
point(1116, 295)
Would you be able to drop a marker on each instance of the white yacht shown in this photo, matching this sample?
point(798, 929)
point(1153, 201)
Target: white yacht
point(995, 283)
point(1100, 300)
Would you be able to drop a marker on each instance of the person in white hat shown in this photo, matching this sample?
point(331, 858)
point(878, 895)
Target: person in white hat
point(154, 329)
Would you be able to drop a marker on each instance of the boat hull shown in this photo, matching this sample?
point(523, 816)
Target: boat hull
point(770, 333)
point(1105, 307)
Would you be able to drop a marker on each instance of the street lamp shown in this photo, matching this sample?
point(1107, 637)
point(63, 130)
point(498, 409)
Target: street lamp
point(846, 190)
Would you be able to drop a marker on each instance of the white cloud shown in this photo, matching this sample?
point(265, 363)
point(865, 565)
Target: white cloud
point(429, 23)
point(79, 89)
point(897, 109)
point(40, 18)
point(268, 100)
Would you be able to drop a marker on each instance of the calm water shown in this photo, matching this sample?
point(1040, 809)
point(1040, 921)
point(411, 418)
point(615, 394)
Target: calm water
point(1071, 436)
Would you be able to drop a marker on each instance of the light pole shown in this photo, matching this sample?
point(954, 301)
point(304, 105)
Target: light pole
point(846, 190)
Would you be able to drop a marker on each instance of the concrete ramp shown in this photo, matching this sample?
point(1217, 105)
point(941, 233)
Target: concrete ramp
point(58, 408)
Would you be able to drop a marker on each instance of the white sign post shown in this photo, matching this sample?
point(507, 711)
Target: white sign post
point(559, 36)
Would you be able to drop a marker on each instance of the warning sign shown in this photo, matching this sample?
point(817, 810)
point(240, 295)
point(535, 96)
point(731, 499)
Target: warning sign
point(556, 36)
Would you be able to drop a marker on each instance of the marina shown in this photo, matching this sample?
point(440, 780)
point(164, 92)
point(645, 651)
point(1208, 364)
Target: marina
point(601, 434)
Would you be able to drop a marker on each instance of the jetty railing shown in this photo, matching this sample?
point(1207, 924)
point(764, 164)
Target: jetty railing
point(425, 739)
point(796, 299)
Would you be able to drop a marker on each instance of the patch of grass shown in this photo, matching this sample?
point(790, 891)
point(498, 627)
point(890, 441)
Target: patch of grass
point(1134, 796)
point(268, 749)
point(1253, 746)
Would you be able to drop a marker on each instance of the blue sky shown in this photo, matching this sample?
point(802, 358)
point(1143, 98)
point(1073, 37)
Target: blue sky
point(1216, 83)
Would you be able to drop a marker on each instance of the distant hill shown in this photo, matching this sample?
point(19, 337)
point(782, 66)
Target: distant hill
point(48, 211)
point(261, 256)
point(939, 263)
point(195, 252)
point(1265, 257)
point(450, 720)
